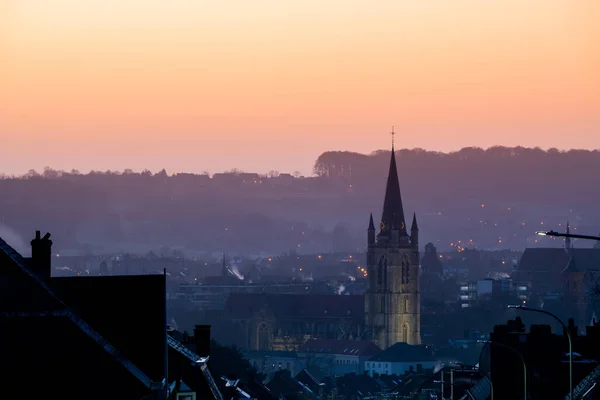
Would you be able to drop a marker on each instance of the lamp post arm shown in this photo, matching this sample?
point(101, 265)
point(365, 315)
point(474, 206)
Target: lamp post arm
point(568, 235)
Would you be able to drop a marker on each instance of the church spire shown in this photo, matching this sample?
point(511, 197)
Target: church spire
point(414, 226)
point(568, 244)
point(393, 212)
point(371, 231)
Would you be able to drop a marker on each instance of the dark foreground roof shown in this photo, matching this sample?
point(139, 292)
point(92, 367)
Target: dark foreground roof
point(402, 352)
point(128, 311)
point(48, 348)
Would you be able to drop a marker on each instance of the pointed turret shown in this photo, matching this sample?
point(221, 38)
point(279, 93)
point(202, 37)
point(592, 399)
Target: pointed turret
point(393, 212)
point(414, 232)
point(371, 231)
point(414, 226)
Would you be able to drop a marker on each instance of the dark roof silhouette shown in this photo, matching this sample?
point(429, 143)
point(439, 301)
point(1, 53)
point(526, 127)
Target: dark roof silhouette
point(543, 267)
point(201, 363)
point(554, 260)
point(534, 260)
point(362, 385)
point(128, 311)
point(34, 312)
point(284, 385)
point(403, 352)
point(359, 348)
point(571, 266)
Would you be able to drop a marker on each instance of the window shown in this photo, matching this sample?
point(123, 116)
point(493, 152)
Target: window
point(405, 333)
point(382, 305)
point(406, 304)
point(264, 337)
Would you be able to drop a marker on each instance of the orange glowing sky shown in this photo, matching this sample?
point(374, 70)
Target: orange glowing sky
point(193, 85)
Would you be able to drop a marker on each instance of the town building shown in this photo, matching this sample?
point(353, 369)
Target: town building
point(81, 337)
point(402, 358)
point(338, 357)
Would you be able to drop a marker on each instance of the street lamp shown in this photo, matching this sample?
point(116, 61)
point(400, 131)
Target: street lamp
point(568, 336)
point(567, 235)
point(522, 361)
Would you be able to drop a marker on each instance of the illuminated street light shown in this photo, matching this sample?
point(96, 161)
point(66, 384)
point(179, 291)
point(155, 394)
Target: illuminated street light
point(567, 235)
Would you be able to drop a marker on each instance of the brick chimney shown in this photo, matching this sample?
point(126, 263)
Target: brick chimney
point(41, 255)
point(202, 340)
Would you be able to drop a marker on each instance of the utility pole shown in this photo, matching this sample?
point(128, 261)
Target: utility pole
point(452, 384)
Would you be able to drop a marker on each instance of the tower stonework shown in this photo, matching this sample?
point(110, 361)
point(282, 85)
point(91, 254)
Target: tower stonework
point(392, 300)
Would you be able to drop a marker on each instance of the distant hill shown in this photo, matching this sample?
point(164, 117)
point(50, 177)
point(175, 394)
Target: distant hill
point(496, 197)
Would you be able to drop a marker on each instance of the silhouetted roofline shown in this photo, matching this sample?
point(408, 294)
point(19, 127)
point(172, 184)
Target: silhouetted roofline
point(196, 360)
point(19, 261)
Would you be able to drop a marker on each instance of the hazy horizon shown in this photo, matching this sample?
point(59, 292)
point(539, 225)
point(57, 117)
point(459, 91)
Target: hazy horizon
point(192, 86)
point(308, 171)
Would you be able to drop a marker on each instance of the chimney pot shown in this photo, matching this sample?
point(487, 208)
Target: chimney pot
point(202, 340)
point(41, 255)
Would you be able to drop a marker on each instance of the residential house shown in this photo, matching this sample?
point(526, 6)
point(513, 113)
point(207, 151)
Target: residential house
point(338, 357)
point(74, 338)
point(402, 358)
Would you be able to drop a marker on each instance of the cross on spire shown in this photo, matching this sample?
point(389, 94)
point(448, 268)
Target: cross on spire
point(393, 134)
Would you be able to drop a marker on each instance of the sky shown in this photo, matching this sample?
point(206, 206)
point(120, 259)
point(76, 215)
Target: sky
point(197, 85)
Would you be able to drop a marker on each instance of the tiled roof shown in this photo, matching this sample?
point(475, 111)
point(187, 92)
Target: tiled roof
point(482, 389)
point(586, 385)
point(361, 348)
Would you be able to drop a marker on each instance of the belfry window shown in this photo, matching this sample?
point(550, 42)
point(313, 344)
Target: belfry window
point(405, 333)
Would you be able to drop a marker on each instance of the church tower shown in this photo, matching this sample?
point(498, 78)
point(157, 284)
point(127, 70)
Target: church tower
point(574, 293)
point(392, 300)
